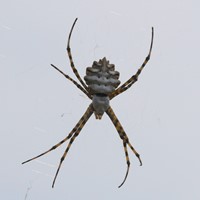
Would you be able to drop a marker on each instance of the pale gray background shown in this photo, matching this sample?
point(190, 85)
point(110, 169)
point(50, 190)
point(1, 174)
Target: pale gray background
point(160, 113)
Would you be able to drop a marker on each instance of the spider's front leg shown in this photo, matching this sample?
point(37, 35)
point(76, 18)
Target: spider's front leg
point(134, 78)
point(125, 140)
point(73, 134)
point(84, 119)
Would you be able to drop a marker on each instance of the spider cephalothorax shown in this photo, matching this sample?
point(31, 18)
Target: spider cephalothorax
point(101, 86)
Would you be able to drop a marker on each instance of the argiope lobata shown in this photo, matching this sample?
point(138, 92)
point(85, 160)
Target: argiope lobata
point(101, 85)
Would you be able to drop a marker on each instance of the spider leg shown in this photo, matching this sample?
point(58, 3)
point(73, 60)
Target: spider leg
point(134, 78)
point(124, 138)
point(128, 164)
point(78, 130)
point(73, 81)
point(71, 59)
point(88, 112)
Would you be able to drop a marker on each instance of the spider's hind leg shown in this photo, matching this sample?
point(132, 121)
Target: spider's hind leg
point(134, 78)
point(125, 140)
point(71, 59)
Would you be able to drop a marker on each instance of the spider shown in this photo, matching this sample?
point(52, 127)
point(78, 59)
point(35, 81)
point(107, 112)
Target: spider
point(101, 86)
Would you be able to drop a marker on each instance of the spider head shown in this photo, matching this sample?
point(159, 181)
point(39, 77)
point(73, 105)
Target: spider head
point(100, 104)
point(98, 116)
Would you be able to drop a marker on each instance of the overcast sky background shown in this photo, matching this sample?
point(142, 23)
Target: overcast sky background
point(160, 113)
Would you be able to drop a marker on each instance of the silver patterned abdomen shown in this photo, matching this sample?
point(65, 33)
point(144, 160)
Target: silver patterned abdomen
point(102, 78)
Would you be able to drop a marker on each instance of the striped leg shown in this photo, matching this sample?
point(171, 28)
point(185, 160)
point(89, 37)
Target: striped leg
point(81, 122)
point(124, 138)
point(71, 59)
point(128, 163)
point(134, 78)
point(84, 120)
point(73, 81)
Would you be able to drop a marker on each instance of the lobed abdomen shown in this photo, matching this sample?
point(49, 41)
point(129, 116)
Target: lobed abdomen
point(102, 78)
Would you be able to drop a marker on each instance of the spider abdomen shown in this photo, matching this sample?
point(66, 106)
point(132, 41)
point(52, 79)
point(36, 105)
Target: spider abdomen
point(102, 78)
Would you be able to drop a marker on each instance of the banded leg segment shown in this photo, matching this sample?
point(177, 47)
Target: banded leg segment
point(71, 59)
point(128, 163)
point(124, 138)
point(73, 81)
point(78, 130)
point(134, 78)
point(84, 118)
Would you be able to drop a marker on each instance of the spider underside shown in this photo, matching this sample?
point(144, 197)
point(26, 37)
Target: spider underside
point(101, 86)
